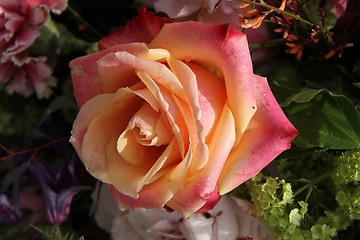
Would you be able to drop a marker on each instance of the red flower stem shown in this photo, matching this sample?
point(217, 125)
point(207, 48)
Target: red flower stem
point(35, 150)
point(5, 149)
point(33, 155)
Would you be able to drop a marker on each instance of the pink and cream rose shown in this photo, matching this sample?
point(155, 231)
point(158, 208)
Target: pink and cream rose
point(172, 115)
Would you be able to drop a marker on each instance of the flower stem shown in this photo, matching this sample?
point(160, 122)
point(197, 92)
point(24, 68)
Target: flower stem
point(314, 182)
point(271, 43)
point(305, 10)
point(81, 19)
point(279, 11)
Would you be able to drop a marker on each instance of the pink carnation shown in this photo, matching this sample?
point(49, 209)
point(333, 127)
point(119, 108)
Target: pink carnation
point(20, 22)
point(34, 76)
point(56, 6)
point(19, 27)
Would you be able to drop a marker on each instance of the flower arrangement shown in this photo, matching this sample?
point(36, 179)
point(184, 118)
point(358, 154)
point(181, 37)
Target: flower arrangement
point(153, 119)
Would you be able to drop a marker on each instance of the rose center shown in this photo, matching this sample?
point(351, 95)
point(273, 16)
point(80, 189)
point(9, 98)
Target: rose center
point(146, 131)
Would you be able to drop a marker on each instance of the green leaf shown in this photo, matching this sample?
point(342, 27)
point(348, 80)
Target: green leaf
point(11, 176)
point(281, 92)
point(305, 95)
point(323, 119)
point(330, 16)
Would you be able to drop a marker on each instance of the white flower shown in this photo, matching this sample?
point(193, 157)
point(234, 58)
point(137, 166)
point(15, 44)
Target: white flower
point(232, 218)
point(104, 207)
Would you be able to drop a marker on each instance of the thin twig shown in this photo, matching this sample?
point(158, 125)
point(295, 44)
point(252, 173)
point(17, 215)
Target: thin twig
point(5, 149)
point(35, 150)
point(86, 23)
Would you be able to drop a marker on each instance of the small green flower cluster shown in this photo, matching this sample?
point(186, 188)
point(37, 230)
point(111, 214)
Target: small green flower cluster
point(347, 178)
point(301, 214)
point(274, 204)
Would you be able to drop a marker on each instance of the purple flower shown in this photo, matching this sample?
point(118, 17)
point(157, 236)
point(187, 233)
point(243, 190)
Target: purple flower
point(58, 192)
point(9, 206)
point(9, 214)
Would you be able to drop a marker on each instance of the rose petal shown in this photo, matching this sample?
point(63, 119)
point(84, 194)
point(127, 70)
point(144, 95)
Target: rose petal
point(142, 28)
point(197, 190)
point(211, 202)
point(148, 97)
point(144, 121)
point(157, 193)
point(85, 75)
point(220, 46)
point(206, 97)
point(135, 153)
point(154, 195)
point(157, 71)
point(155, 90)
point(90, 138)
point(132, 177)
point(269, 133)
point(212, 97)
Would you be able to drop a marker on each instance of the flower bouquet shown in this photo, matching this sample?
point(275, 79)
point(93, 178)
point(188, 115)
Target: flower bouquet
point(154, 119)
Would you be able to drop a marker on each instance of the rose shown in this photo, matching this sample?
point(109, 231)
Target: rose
point(172, 115)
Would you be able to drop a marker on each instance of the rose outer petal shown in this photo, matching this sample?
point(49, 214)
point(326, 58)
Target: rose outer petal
point(142, 28)
point(269, 133)
point(86, 78)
